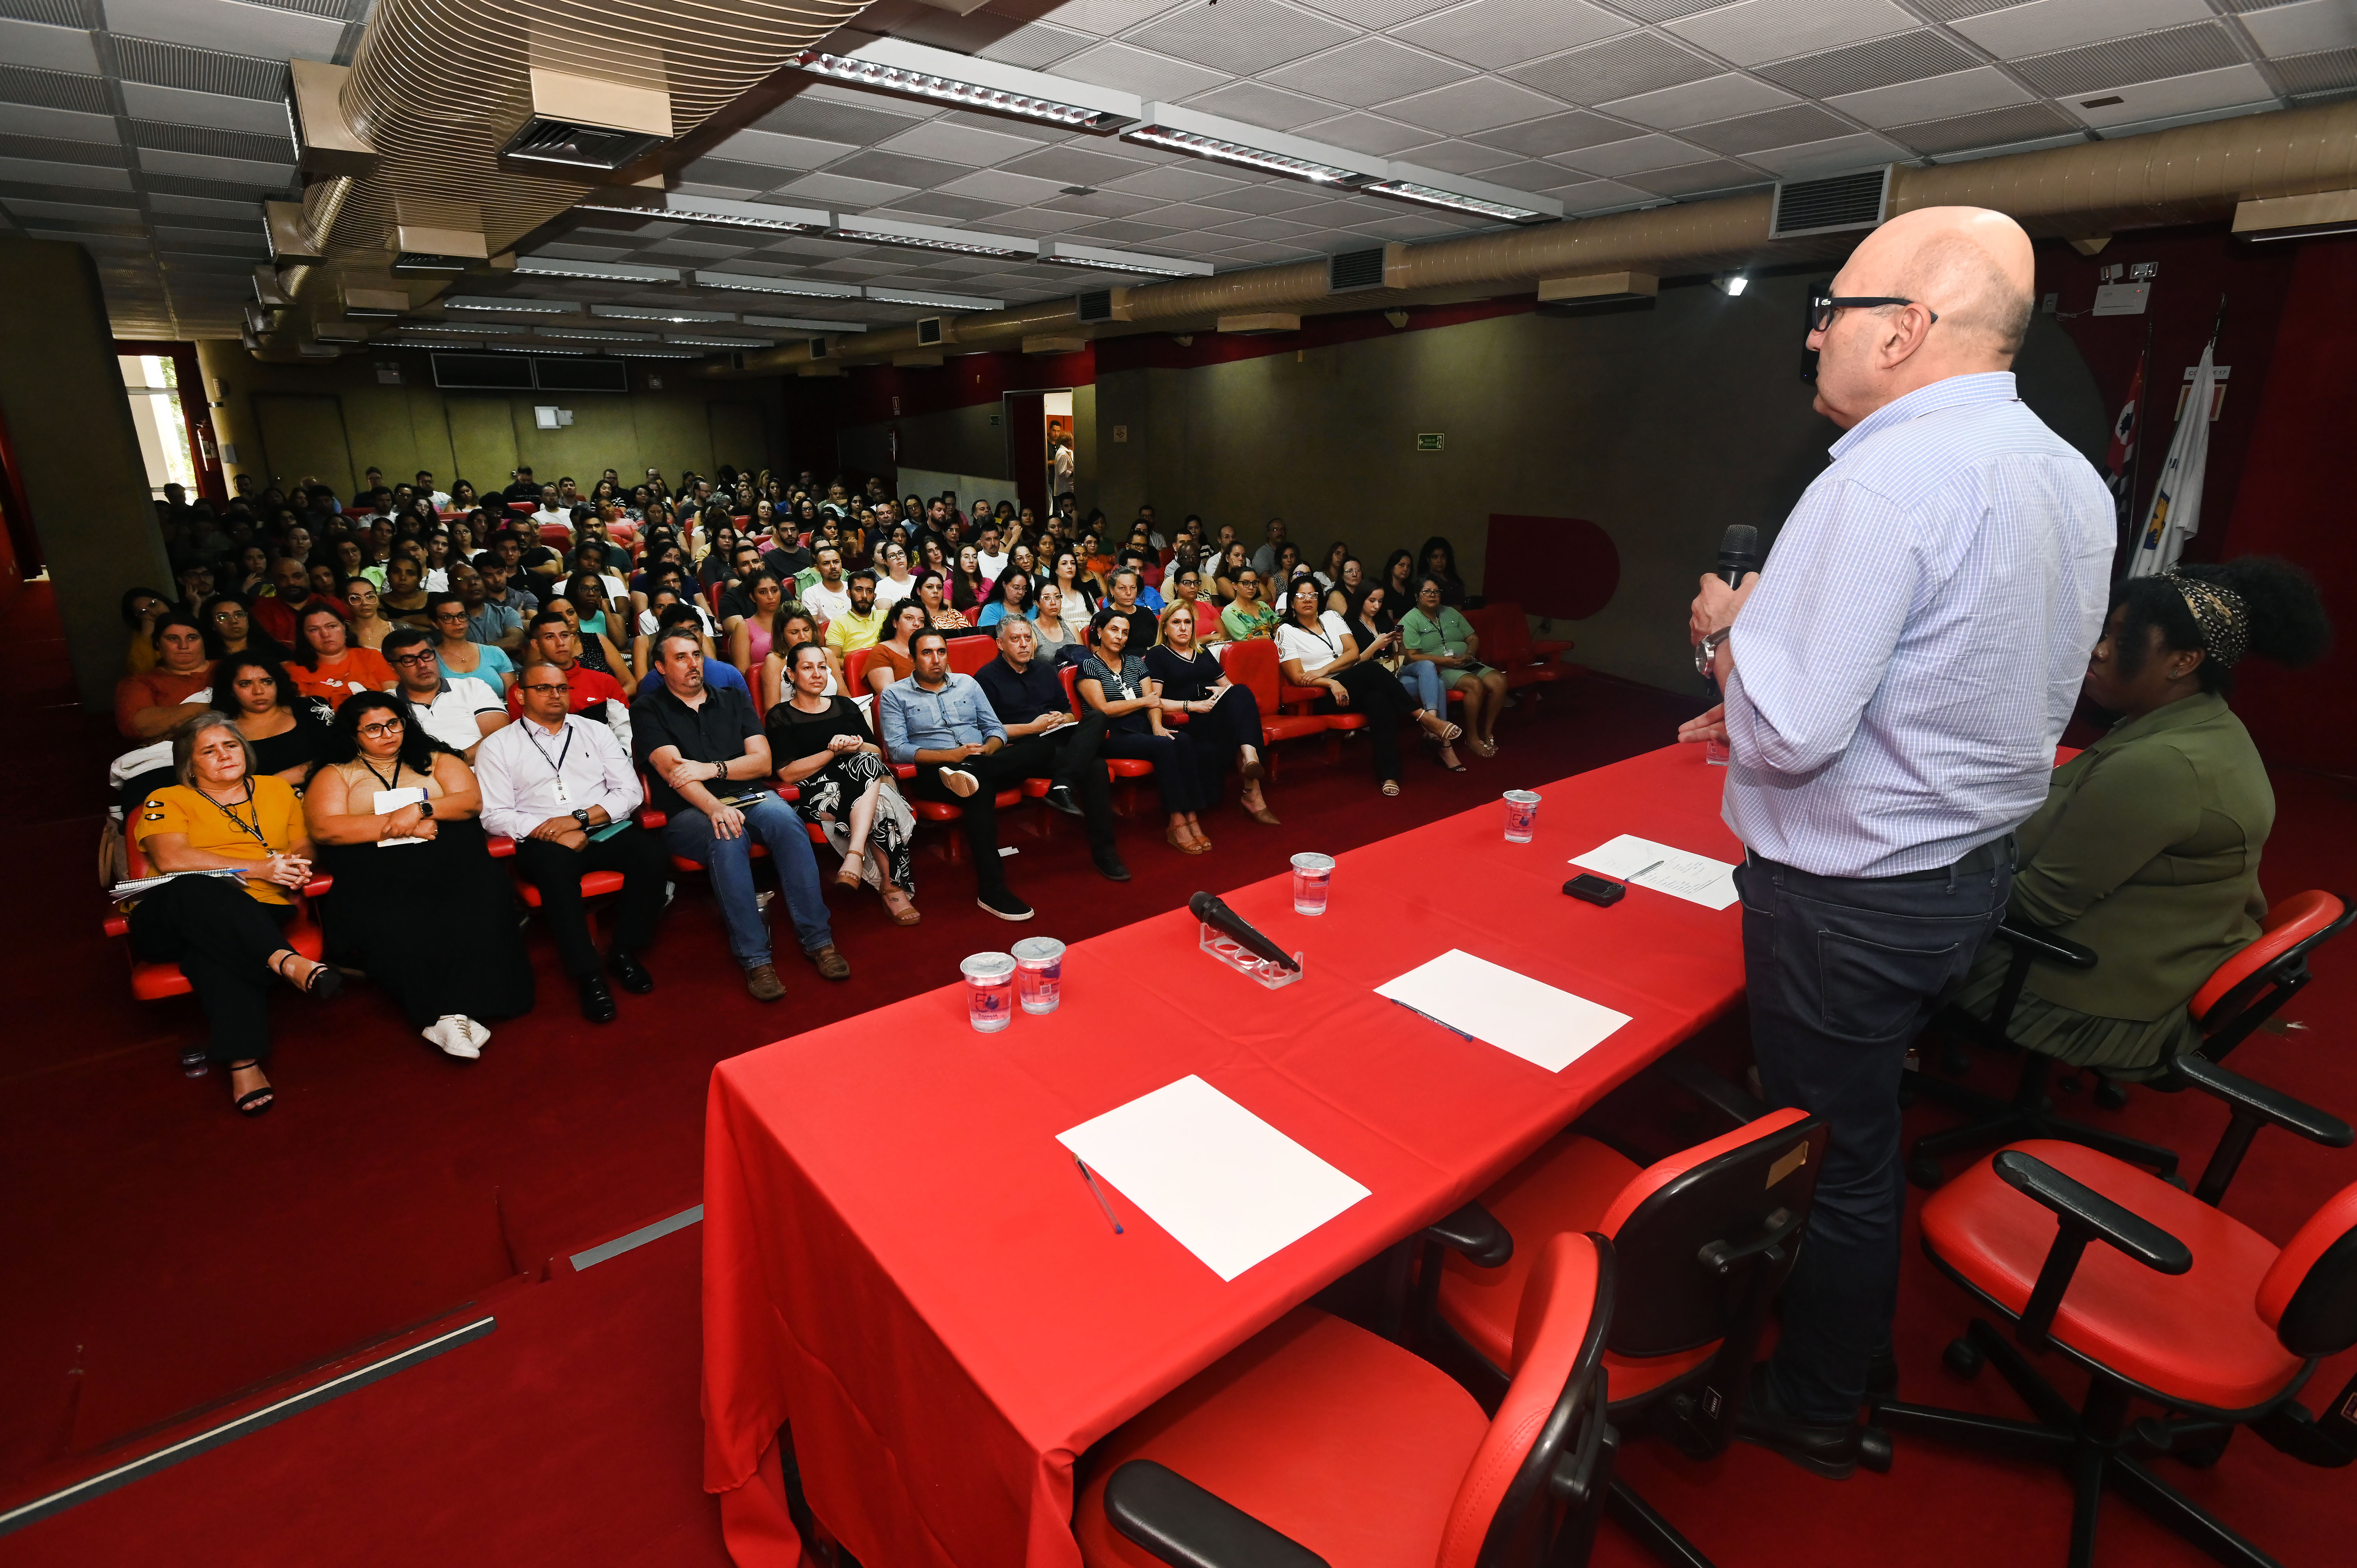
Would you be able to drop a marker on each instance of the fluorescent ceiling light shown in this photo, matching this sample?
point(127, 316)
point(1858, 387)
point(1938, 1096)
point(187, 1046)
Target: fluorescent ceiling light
point(596, 271)
point(926, 236)
point(803, 323)
point(682, 338)
point(932, 301)
point(1455, 193)
point(514, 305)
point(654, 353)
point(471, 329)
point(753, 283)
point(965, 81)
point(683, 208)
point(531, 348)
point(1064, 253)
point(656, 313)
point(1250, 147)
point(589, 336)
point(403, 341)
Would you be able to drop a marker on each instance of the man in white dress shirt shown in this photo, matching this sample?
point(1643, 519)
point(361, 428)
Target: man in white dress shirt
point(457, 711)
point(1897, 677)
point(557, 784)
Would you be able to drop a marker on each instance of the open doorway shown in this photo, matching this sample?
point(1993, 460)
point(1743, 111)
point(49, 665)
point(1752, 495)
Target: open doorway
point(1041, 452)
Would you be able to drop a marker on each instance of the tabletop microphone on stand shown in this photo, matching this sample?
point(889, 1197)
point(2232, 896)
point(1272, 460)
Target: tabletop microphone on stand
point(1738, 554)
point(1227, 922)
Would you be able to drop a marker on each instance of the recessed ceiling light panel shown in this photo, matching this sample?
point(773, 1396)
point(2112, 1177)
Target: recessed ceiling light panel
point(932, 301)
point(595, 272)
point(965, 81)
point(1065, 253)
point(753, 283)
point(1250, 147)
point(658, 313)
point(927, 237)
point(679, 207)
point(512, 305)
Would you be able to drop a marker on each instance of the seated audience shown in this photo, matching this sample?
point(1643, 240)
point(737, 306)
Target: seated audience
point(290, 595)
point(1114, 682)
point(706, 756)
point(1437, 636)
point(367, 624)
point(794, 628)
point(1223, 718)
point(755, 633)
point(327, 666)
point(941, 723)
point(1376, 632)
point(589, 692)
point(228, 937)
point(1028, 694)
point(716, 675)
point(896, 583)
point(176, 687)
point(457, 710)
point(1056, 638)
point(825, 593)
point(1233, 563)
point(891, 657)
point(1265, 559)
point(142, 607)
point(1186, 585)
point(1124, 601)
point(1348, 580)
point(2147, 847)
point(1398, 578)
point(418, 904)
point(821, 744)
point(1315, 649)
point(229, 628)
point(929, 593)
point(1010, 595)
point(564, 790)
point(861, 625)
point(458, 654)
point(1246, 616)
point(403, 599)
point(493, 625)
point(601, 634)
point(1439, 558)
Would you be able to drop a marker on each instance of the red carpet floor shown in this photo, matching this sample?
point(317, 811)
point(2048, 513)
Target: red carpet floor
point(170, 1264)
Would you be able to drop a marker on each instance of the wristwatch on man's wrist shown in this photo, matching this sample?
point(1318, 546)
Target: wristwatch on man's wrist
point(424, 808)
point(581, 815)
point(1706, 652)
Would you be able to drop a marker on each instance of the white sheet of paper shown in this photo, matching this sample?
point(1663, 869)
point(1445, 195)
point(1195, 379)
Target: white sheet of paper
point(1697, 878)
point(1543, 1025)
point(390, 800)
point(1230, 1188)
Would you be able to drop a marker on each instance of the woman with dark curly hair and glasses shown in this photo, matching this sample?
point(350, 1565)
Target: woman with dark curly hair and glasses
point(2148, 848)
point(419, 902)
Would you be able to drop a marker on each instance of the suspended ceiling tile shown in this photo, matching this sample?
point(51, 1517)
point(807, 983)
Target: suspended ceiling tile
point(1371, 70)
point(956, 145)
point(266, 32)
point(895, 169)
point(1036, 46)
point(2310, 27)
point(1256, 103)
point(998, 185)
point(1370, 134)
point(1272, 197)
point(2229, 88)
point(959, 209)
point(220, 111)
point(1618, 68)
point(1985, 128)
point(836, 188)
point(198, 206)
point(716, 190)
point(40, 172)
point(1556, 134)
point(1268, 229)
point(1454, 156)
point(1152, 77)
point(1760, 31)
point(200, 165)
point(84, 211)
point(2048, 25)
point(1174, 183)
point(1614, 159)
point(1103, 204)
point(2328, 70)
point(2145, 57)
point(1245, 37)
point(1693, 179)
point(774, 151)
point(1107, 18)
point(1483, 103)
point(1834, 154)
point(66, 124)
point(1597, 195)
point(48, 47)
point(808, 116)
point(1071, 165)
point(1699, 103)
point(1777, 128)
point(1498, 33)
point(1522, 174)
point(1377, 15)
point(1961, 92)
point(1878, 62)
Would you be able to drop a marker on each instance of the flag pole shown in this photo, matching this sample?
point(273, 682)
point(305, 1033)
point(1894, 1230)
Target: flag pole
point(2132, 521)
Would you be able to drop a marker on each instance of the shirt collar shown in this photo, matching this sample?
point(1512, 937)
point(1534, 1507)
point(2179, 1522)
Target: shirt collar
point(1956, 391)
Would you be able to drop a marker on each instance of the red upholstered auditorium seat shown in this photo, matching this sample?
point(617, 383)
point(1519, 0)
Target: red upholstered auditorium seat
point(1253, 664)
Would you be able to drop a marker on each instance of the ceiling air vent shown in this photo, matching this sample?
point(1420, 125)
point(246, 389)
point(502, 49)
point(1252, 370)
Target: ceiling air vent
point(422, 263)
point(929, 331)
point(581, 123)
point(818, 347)
point(1829, 206)
point(1095, 305)
point(1354, 270)
point(568, 145)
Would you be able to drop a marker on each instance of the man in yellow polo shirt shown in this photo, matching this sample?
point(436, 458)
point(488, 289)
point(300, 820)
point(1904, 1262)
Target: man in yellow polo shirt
point(861, 626)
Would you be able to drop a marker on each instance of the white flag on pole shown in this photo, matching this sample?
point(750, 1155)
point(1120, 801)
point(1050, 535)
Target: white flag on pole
point(2176, 513)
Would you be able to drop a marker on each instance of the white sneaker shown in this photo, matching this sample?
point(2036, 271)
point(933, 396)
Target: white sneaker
point(961, 783)
point(450, 1034)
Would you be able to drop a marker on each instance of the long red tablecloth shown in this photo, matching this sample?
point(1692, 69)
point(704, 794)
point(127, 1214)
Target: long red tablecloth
point(901, 1261)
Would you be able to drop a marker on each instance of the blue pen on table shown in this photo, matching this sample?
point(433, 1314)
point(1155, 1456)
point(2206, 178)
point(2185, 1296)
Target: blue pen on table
point(1089, 1177)
point(1429, 1018)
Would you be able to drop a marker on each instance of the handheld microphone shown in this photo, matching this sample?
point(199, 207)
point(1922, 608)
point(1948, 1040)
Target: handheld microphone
point(1220, 918)
point(1738, 554)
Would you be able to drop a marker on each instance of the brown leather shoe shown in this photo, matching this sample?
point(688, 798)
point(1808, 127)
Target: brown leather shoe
point(761, 983)
point(831, 965)
point(1263, 814)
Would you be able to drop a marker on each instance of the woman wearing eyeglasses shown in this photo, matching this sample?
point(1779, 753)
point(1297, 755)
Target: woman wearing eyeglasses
point(419, 902)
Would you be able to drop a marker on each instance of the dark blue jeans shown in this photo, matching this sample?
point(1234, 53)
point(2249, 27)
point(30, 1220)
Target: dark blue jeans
point(1842, 973)
point(780, 829)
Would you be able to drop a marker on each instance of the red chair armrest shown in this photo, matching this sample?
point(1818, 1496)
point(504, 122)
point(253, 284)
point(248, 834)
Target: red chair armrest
point(501, 846)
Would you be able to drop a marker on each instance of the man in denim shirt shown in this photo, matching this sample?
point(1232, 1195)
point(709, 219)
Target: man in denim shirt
point(943, 723)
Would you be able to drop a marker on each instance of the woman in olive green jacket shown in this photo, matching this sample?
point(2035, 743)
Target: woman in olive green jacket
point(2148, 848)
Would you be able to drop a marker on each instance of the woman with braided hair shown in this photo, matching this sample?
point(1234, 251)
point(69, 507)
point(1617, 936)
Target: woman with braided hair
point(2147, 847)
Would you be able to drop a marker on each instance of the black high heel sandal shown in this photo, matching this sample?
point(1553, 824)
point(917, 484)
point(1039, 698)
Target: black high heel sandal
point(254, 1101)
point(326, 980)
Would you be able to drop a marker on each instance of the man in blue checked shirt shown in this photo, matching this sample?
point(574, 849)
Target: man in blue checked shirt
point(1896, 678)
point(942, 722)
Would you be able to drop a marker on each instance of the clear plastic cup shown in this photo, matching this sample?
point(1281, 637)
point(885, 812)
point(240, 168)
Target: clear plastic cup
point(1039, 973)
point(989, 991)
point(1313, 878)
point(1522, 815)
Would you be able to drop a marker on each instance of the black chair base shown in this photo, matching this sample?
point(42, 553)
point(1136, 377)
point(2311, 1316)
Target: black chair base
point(2093, 1443)
point(2029, 1115)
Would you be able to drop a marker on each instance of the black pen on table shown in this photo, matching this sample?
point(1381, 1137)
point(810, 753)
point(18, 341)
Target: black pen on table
point(1089, 1177)
point(1634, 874)
point(1428, 1017)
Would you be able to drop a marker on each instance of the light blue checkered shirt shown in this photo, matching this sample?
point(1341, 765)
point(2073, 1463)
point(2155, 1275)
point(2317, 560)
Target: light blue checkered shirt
point(1915, 644)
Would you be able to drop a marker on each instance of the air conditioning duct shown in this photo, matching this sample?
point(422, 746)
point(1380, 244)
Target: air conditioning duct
point(1353, 271)
point(580, 125)
point(325, 145)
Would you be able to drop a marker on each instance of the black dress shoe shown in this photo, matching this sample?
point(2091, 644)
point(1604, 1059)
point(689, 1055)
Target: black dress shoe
point(1061, 797)
point(596, 1001)
point(628, 972)
point(1829, 1450)
point(1110, 865)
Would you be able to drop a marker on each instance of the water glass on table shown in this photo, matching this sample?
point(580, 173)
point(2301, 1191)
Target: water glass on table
point(1313, 879)
point(1039, 973)
point(1522, 815)
point(989, 991)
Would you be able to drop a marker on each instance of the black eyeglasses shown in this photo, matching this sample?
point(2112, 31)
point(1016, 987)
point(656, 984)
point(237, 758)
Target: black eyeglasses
point(1821, 311)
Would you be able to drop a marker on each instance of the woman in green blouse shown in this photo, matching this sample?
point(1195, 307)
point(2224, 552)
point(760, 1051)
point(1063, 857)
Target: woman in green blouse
point(2146, 849)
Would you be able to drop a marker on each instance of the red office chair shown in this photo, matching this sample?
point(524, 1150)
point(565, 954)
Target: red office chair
point(2181, 1306)
point(155, 981)
point(2244, 993)
point(1704, 1240)
point(1316, 1441)
point(1506, 643)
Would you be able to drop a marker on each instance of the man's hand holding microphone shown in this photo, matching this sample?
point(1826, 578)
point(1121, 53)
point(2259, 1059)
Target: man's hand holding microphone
point(1715, 608)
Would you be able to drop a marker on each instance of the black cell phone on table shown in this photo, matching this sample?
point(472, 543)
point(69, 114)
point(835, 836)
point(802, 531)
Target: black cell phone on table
point(1595, 890)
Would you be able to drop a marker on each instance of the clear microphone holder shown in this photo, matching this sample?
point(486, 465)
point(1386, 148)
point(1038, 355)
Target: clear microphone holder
point(1244, 961)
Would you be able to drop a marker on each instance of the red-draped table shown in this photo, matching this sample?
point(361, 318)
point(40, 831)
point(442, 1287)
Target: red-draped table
point(901, 1261)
